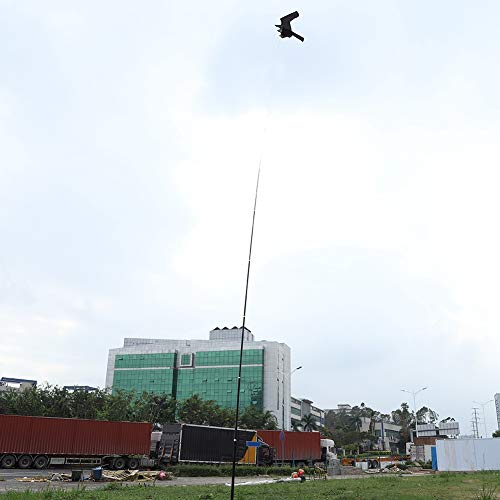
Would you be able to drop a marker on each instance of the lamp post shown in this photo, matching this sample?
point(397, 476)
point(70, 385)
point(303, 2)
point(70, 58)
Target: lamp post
point(484, 414)
point(283, 395)
point(414, 394)
point(282, 437)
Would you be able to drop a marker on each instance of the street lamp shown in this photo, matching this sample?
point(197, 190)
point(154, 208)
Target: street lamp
point(414, 394)
point(283, 395)
point(282, 437)
point(484, 414)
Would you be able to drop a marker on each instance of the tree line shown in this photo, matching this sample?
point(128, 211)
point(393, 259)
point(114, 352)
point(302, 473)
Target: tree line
point(347, 429)
point(99, 404)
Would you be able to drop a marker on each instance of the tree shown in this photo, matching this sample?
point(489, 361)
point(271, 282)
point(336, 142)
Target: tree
point(154, 408)
point(496, 434)
point(427, 416)
point(296, 426)
point(193, 410)
point(447, 419)
point(405, 418)
point(356, 413)
point(340, 420)
point(253, 418)
point(372, 415)
point(309, 423)
point(117, 406)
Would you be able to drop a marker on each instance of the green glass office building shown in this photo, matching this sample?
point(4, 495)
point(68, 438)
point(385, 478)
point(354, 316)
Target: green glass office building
point(209, 368)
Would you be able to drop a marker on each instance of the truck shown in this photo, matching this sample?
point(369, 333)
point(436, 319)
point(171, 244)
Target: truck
point(299, 447)
point(188, 443)
point(37, 442)
point(40, 442)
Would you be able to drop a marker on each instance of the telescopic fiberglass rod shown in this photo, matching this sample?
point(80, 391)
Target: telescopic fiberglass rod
point(235, 435)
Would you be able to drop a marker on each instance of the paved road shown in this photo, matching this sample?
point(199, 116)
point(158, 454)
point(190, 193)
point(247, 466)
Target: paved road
point(13, 473)
point(9, 483)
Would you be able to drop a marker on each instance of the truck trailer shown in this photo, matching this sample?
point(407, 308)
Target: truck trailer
point(299, 447)
point(201, 444)
point(38, 442)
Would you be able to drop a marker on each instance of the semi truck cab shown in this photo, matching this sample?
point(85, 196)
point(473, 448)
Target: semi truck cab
point(327, 450)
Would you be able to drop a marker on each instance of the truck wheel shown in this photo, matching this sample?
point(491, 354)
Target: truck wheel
point(24, 462)
point(375, 464)
point(8, 461)
point(41, 462)
point(133, 463)
point(119, 463)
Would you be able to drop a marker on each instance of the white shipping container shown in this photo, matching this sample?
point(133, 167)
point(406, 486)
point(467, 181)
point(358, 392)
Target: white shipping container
point(467, 455)
point(449, 428)
point(426, 427)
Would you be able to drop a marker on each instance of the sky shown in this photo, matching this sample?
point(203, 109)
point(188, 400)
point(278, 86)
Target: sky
point(130, 138)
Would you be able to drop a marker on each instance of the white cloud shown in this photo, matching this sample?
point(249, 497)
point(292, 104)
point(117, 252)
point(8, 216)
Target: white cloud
point(127, 174)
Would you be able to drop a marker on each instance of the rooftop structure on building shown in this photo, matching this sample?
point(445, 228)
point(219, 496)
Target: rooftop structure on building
point(342, 407)
point(83, 388)
point(18, 384)
point(209, 368)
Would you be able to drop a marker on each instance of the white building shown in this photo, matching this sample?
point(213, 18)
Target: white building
point(209, 368)
point(300, 407)
point(387, 432)
point(16, 384)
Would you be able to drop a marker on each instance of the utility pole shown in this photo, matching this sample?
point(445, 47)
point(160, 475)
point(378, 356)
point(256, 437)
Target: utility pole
point(484, 414)
point(475, 427)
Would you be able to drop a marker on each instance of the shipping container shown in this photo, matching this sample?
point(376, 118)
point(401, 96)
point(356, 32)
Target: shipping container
point(59, 439)
point(203, 444)
point(212, 444)
point(293, 446)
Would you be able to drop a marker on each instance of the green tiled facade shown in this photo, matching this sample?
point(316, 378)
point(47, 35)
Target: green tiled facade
point(158, 360)
point(219, 385)
point(157, 381)
point(213, 375)
point(221, 358)
point(145, 372)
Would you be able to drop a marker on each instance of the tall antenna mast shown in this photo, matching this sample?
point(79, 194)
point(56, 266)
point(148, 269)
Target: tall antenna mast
point(235, 435)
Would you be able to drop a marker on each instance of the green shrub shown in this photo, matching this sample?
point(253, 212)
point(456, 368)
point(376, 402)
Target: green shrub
point(225, 470)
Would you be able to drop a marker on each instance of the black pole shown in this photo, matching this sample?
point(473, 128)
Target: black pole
point(235, 435)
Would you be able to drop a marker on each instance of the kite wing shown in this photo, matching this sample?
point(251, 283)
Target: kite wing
point(289, 18)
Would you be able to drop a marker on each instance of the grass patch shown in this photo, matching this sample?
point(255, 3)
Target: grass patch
point(432, 487)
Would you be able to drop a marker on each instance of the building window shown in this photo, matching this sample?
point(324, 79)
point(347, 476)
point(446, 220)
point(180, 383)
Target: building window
point(186, 360)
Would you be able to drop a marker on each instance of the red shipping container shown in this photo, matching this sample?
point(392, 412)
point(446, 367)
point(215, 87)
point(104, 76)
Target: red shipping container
point(296, 445)
point(71, 436)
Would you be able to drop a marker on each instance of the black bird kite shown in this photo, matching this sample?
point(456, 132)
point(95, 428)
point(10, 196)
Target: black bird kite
point(285, 28)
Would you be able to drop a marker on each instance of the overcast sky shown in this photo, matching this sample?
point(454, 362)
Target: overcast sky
point(130, 136)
